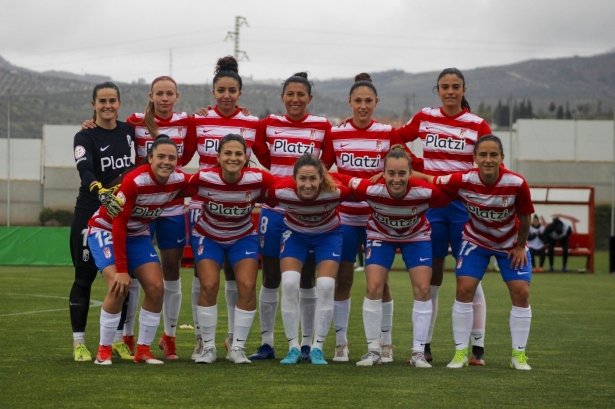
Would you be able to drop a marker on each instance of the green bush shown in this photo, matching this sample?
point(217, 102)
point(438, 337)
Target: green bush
point(603, 226)
point(61, 217)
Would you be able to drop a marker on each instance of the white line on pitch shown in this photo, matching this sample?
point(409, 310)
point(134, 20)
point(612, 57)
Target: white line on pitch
point(93, 303)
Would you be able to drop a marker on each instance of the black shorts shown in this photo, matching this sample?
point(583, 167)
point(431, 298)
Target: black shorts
point(79, 250)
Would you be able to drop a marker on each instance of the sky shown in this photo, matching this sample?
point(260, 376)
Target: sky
point(141, 39)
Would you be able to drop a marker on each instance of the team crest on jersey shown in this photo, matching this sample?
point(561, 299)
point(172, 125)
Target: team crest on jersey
point(79, 151)
point(313, 134)
point(462, 134)
point(86, 254)
point(378, 146)
point(354, 183)
point(121, 198)
point(327, 207)
point(107, 252)
point(180, 131)
point(200, 250)
point(242, 132)
point(443, 180)
point(368, 253)
point(505, 201)
point(248, 197)
point(459, 262)
point(129, 140)
point(262, 239)
point(414, 210)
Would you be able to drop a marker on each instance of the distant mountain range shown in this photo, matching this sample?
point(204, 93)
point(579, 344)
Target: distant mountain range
point(56, 97)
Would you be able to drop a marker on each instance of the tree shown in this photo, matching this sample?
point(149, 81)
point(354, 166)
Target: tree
point(560, 112)
point(552, 107)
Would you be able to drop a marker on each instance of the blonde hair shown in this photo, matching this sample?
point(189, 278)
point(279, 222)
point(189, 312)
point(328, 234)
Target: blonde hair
point(149, 118)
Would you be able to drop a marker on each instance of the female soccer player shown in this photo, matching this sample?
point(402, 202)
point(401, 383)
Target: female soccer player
point(397, 221)
point(123, 245)
point(225, 230)
point(499, 204)
point(284, 139)
point(102, 154)
point(311, 223)
point(225, 118)
point(449, 134)
point(359, 145)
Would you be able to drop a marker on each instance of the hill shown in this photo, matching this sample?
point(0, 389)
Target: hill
point(586, 84)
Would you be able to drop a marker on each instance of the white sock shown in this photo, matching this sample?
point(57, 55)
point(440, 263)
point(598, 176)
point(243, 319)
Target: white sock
point(434, 290)
point(290, 307)
point(387, 323)
point(108, 326)
point(341, 313)
point(148, 325)
point(208, 320)
point(171, 303)
point(79, 338)
point(325, 286)
point(194, 295)
point(462, 323)
point(243, 322)
point(268, 300)
point(479, 306)
point(520, 321)
point(231, 295)
point(421, 317)
point(372, 322)
point(131, 309)
point(308, 297)
point(119, 335)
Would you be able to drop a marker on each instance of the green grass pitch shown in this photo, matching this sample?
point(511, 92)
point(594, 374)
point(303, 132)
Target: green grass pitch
point(571, 349)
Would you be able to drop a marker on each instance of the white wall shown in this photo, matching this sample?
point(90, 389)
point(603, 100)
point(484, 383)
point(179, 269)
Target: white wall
point(25, 158)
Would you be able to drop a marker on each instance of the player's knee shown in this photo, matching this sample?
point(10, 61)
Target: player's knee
point(84, 277)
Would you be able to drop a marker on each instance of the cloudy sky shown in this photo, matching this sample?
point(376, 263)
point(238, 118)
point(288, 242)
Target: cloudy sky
point(134, 39)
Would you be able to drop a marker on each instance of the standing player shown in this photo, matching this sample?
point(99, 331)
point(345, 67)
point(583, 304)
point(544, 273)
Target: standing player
point(397, 221)
point(499, 204)
point(170, 227)
point(123, 246)
point(311, 222)
point(284, 139)
point(359, 145)
point(102, 154)
point(449, 134)
point(225, 118)
point(536, 245)
point(225, 230)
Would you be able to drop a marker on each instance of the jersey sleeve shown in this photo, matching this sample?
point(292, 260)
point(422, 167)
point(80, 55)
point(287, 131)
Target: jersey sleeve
point(450, 184)
point(328, 153)
point(484, 129)
point(410, 131)
point(259, 148)
point(190, 142)
point(128, 192)
point(84, 159)
point(191, 187)
point(439, 198)
point(524, 200)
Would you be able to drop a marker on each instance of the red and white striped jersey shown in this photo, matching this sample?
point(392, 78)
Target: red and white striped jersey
point(399, 219)
point(227, 207)
point(144, 199)
point(493, 223)
point(360, 152)
point(212, 128)
point(448, 142)
point(180, 128)
point(307, 216)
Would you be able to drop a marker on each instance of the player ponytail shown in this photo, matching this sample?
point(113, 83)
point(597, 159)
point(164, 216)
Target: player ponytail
point(488, 138)
point(103, 85)
point(456, 72)
point(307, 159)
point(299, 78)
point(227, 67)
point(363, 80)
point(398, 151)
point(149, 119)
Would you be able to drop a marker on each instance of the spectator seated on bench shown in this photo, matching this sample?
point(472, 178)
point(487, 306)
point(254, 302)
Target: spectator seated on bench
point(557, 232)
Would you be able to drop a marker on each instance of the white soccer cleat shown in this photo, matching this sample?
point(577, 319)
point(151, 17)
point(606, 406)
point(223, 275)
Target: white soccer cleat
point(418, 360)
point(341, 353)
point(372, 358)
point(208, 356)
point(386, 353)
point(198, 349)
point(238, 356)
point(460, 359)
point(519, 361)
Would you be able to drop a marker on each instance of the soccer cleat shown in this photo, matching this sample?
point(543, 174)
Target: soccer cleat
point(129, 340)
point(316, 357)
point(167, 344)
point(564, 269)
point(198, 348)
point(477, 358)
point(418, 360)
point(81, 353)
point(540, 269)
point(427, 353)
point(551, 269)
point(293, 357)
point(264, 351)
point(341, 353)
point(460, 359)
point(121, 350)
point(237, 356)
point(208, 356)
point(145, 355)
point(386, 353)
point(519, 361)
point(228, 342)
point(372, 358)
point(104, 355)
point(305, 353)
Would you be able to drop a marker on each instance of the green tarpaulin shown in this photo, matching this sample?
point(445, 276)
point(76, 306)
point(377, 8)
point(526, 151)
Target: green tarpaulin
point(35, 246)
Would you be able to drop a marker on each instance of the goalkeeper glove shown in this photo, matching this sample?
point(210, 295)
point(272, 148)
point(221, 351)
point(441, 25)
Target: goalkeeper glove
point(107, 198)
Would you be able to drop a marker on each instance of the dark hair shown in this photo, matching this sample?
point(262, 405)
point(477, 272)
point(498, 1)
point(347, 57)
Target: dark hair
point(362, 80)
point(232, 137)
point(307, 159)
point(104, 85)
point(488, 138)
point(149, 118)
point(227, 67)
point(161, 139)
point(300, 78)
point(454, 71)
point(398, 151)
